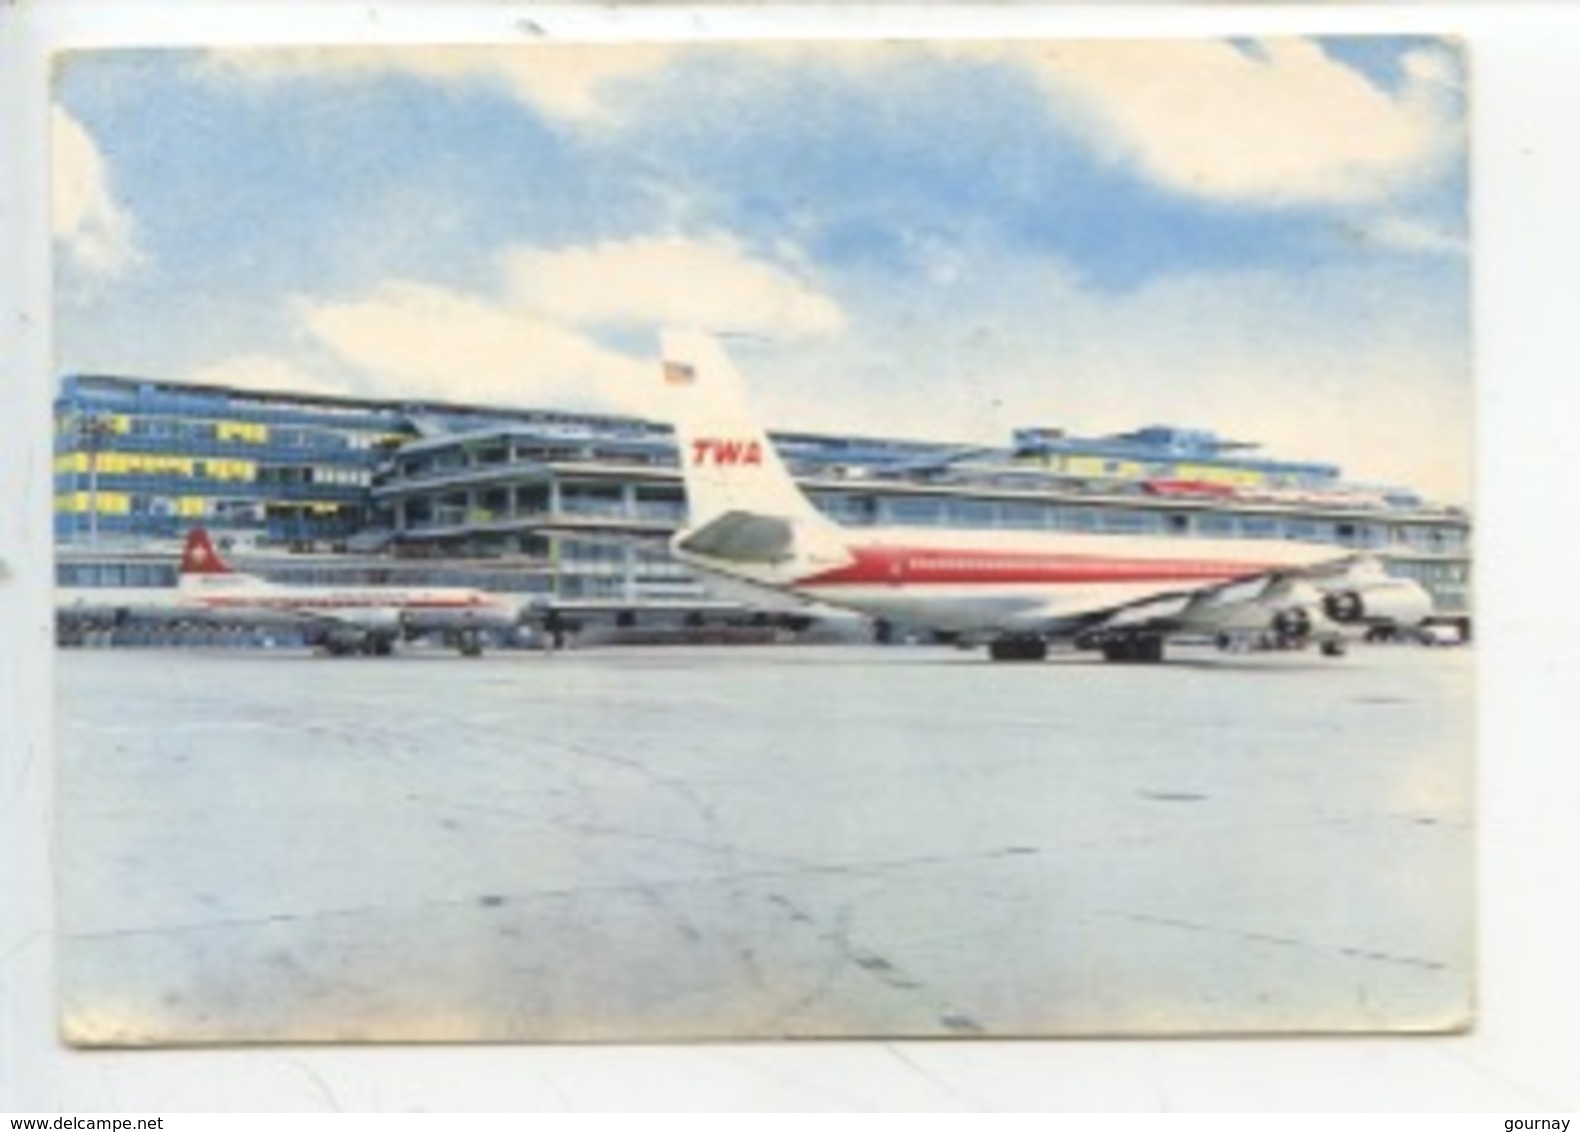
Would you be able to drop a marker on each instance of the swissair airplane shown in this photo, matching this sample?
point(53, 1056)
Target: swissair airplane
point(1016, 592)
point(344, 619)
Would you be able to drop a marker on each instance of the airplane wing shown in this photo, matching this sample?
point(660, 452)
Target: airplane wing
point(1288, 604)
point(663, 620)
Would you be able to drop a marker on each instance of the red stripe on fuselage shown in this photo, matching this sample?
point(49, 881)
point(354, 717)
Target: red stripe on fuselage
point(289, 602)
point(893, 565)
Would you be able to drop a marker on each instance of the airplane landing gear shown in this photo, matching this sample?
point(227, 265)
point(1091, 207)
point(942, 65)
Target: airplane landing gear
point(340, 643)
point(1134, 650)
point(1018, 648)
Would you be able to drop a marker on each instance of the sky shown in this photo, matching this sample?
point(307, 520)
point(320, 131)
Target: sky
point(938, 239)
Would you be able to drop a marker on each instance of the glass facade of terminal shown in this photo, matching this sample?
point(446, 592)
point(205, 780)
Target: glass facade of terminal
point(1196, 456)
point(519, 491)
point(148, 460)
point(581, 506)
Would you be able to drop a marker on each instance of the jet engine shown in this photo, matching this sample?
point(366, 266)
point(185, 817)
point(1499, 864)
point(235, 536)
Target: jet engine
point(1397, 601)
point(372, 632)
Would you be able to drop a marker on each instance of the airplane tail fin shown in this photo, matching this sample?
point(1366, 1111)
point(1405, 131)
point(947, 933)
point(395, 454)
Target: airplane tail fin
point(729, 464)
point(198, 556)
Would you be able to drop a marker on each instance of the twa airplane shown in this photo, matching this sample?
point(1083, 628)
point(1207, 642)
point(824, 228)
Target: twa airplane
point(343, 619)
point(1016, 592)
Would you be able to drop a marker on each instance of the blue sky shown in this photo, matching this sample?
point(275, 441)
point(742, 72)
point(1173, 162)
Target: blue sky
point(943, 239)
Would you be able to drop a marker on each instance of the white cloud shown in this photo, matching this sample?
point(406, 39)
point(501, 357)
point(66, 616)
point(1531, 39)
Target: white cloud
point(92, 228)
point(423, 341)
point(1278, 122)
point(534, 343)
point(1336, 367)
point(262, 372)
point(648, 281)
point(578, 83)
point(1282, 122)
point(1332, 367)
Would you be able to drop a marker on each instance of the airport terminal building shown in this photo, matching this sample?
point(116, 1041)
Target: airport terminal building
point(578, 506)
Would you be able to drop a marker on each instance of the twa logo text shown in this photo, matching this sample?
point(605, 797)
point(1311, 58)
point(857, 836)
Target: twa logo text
point(726, 453)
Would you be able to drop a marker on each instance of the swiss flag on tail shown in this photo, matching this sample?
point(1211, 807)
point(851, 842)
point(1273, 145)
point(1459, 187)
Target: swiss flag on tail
point(199, 555)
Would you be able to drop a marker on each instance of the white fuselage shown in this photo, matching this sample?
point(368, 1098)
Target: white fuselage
point(417, 607)
point(965, 581)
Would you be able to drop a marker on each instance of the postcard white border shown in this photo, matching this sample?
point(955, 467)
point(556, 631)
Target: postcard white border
point(1526, 189)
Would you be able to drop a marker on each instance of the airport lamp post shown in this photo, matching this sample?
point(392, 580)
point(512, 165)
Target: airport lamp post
point(91, 431)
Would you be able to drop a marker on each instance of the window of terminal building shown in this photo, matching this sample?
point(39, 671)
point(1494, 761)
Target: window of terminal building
point(913, 512)
point(533, 546)
point(81, 575)
point(658, 507)
point(532, 499)
point(1401, 568)
point(593, 557)
point(592, 500)
point(98, 575)
point(850, 510)
point(1351, 534)
point(970, 513)
point(150, 574)
point(492, 505)
point(1024, 516)
point(416, 513)
point(1127, 521)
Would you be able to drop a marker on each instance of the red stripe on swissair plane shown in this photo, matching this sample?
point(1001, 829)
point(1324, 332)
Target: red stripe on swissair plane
point(371, 601)
point(887, 565)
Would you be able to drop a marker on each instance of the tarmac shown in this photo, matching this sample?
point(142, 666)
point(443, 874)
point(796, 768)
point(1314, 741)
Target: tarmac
point(646, 844)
